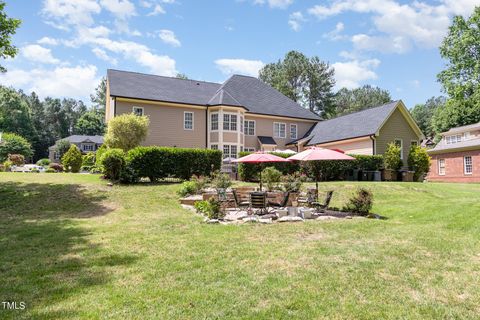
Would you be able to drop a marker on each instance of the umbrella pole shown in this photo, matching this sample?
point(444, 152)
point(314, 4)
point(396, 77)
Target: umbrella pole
point(261, 167)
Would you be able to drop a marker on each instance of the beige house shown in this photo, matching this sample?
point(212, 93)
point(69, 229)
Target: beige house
point(84, 143)
point(244, 113)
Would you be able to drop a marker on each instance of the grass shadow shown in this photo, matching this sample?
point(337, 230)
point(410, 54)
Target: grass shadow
point(47, 255)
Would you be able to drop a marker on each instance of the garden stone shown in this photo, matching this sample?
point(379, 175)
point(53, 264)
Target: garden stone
point(348, 217)
point(326, 218)
point(251, 219)
point(290, 219)
point(265, 221)
point(282, 213)
point(212, 221)
point(272, 216)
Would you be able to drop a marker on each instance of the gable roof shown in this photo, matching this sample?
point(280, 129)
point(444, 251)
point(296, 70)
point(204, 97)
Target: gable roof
point(239, 91)
point(474, 126)
point(473, 144)
point(82, 138)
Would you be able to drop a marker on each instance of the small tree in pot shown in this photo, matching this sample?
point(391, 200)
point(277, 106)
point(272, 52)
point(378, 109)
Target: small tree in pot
point(419, 161)
point(392, 161)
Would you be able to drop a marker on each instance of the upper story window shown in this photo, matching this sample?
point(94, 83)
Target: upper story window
point(229, 122)
point(138, 111)
point(214, 121)
point(468, 165)
point(454, 139)
point(279, 130)
point(293, 131)
point(188, 120)
point(250, 127)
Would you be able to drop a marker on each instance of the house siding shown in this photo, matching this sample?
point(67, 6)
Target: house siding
point(362, 146)
point(166, 124)
point(396, 127)
point(454, 167)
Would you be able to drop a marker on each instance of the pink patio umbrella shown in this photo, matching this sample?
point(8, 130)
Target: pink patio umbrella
point(319, 154)
point(260, 157)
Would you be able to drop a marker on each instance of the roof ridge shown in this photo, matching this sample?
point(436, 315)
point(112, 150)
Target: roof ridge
point(159, 76)
point(345, 115)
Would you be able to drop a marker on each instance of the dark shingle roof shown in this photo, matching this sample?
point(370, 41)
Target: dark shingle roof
point(81, 138)
point(358, 124)
point(249, 92)
point(267, 140)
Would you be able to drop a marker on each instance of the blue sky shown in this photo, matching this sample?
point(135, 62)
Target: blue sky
point(67, 45)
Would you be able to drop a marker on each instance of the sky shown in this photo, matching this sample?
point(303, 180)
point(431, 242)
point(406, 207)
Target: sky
point(66, 46)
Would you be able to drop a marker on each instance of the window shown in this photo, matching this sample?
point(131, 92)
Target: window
point(279, 130)
point(414, 143)
point(230, 122)
point(241, 124)
point(467, 165)
point(441, 167)
point(399, 143)
point(214, 147)
point(293, 131)
point(250, 127)
point(454, 139)
point(233, 151)
point(214, 121)
point(87, 147)
point(138, 111)
point(188, 120)
point(247, 149)
point(56, 156)
point(229, 151)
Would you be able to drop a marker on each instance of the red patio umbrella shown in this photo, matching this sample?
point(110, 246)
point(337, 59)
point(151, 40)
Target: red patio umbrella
point(260, 157)
point(319, 154)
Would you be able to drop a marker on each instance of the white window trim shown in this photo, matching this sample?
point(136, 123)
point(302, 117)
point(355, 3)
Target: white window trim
point(254, 128)
point(140, 108)
point(193, 122)
point(401, 146)
point(280, 123)
point(248, 149)
point(444, 167)
point(230, 121)
point(465, 165)
point(218, 122)
point(296, 130)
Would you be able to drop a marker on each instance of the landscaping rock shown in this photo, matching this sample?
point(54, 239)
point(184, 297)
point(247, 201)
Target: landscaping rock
point(348, 217)
point(290, 219)
point(265, 221)
point(272, 216)
point(282, 213)
point(212, 221)
point(251, 219)
point(326, 218)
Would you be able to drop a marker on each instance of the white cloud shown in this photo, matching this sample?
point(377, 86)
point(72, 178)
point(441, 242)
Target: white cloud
point(158, 9)
point(336, 34)
point(37, 53)
point(392, 44)
point(75, 82)
point(71, 12)
point(415, 83)
point(280, 4)
point(402, 25)
point(351, 73)
point(48, 41)
point(295, 20)
point(102, 54)
point(168, 36)
point(242, 66)
point(122, 9)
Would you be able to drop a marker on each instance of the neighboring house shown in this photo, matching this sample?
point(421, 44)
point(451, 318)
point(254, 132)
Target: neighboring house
point(84, 143)
point(244, 113)
point(366, 132)
point(456, 158)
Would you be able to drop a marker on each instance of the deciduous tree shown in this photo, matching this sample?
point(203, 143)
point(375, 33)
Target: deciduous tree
point(8, 27)
point(126, 131)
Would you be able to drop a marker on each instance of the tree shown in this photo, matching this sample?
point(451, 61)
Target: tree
point(8, 27)
point(90, 123)
point(126, 131)
point(181, 76)
point(423, 114)
point(72, 159)
point(98, 98)
point(352, 100)
point(15, 114)
point(61, 147)
point(14, 144)
point(308, 82)
point(419, 161)
point(461, 78)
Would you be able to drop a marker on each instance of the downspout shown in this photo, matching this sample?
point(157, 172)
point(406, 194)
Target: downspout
point(373, 144)
point(206, 128)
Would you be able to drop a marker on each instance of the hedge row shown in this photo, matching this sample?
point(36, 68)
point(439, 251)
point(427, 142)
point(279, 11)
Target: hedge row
point(161, 162)
point(332, 170)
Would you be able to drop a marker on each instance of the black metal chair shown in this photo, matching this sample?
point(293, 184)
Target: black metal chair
point(322, 206)
point(239, 203)
point(258, 200)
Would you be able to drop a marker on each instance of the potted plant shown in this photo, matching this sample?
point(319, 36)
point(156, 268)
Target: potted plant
point(392, 162)
point(221, 182)
point(292, 183)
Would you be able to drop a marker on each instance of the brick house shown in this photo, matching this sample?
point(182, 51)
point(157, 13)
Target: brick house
point(456, 158)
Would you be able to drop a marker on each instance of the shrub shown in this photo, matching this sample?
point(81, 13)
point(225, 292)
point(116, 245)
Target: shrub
point(43, 162)
point(419, 161)
point(7, 165)
point(271, 177)
point(211, 208)
point(85, 168)
point(14, 144)
point(292, 182)
point(96, 169)
point(61, 147)
point(99, 153)
point(251, 171)
point(128, 175)
point(187, 188)
point(56, 166)
point(392, 157)
point(88, 159)
point(161, 162)
point(113, 162)
point(361, 202)
point(16, 159)
point(126, 131)
point(50, 170)
point(35, 170)
point(368, 163)
point(221, 180)
point(72, 159)
point(2, 168)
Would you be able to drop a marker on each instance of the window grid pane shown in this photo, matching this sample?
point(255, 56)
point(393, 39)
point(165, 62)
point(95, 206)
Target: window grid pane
point(441, 167)
point(214, 121)
point(293, 131)
point(468, 164)
point(233, 151)
point(188, 123)
point(233, 122)
point(226, 122)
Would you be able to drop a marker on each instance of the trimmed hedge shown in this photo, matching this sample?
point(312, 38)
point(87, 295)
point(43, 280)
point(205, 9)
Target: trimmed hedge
point(367, 163)
point(161, 162)
point(251, 171)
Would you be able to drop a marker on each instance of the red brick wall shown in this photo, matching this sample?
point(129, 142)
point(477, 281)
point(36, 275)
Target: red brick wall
point(454, 171)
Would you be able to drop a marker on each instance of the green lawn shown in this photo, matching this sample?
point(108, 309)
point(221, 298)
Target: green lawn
point(72, 247)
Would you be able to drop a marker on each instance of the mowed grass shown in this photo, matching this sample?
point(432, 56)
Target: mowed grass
point(72, 247)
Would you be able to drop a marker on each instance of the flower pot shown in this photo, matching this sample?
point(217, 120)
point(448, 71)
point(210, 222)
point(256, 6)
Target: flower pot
point(292, 197)
point(389, 175)
point(306, 213)
point(282, 213)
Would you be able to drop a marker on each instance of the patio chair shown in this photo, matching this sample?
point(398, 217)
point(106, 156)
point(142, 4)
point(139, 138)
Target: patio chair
point(322, 206)
point(239, 203)
point(282, 204)
point(258, 200)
